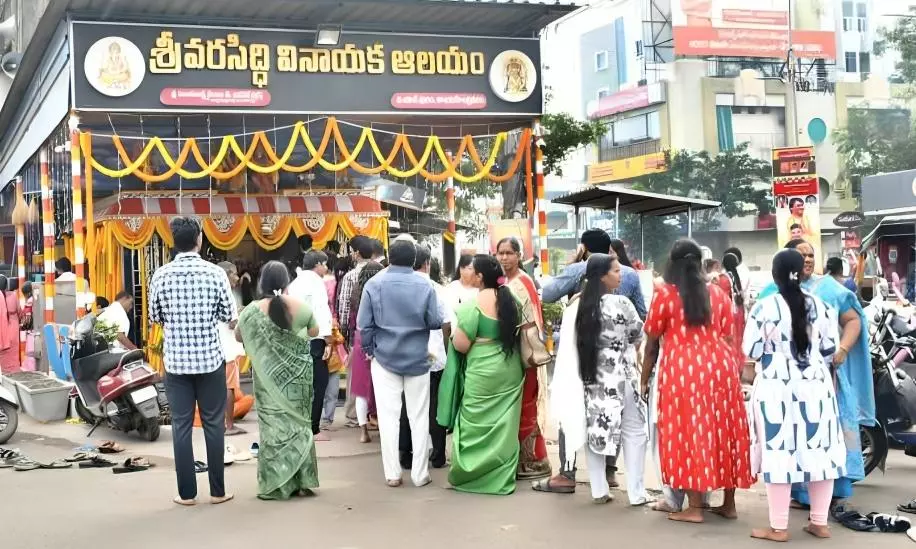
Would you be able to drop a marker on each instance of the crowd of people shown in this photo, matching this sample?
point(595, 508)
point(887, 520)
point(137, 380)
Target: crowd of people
point(425, 359)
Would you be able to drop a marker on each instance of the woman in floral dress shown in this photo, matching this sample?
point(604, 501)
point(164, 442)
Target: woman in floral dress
point(792, 335)
point(702, 422)
point(597, 359)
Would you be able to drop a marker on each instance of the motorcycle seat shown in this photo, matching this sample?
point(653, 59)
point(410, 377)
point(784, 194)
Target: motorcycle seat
point(93, 367)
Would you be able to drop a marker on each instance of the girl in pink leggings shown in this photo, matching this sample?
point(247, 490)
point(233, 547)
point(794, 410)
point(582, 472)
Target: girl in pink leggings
point(795, 416)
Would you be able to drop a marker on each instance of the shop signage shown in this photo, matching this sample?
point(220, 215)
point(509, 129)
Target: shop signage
point(726, 28)
point(849, 220)
point(794, 162)
point(626, 168)
point(402, 195)
point(141, 67)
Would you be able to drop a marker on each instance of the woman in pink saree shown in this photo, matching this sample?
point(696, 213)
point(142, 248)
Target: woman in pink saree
point(532, 460)
point(9, 328)
point(359, 371)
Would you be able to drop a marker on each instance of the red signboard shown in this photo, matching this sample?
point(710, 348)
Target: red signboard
point(214, 97)
point(439, 101)
point(622, 101)
point(753, 42)
point(795, 186)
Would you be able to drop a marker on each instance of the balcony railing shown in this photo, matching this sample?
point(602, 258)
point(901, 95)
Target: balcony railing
point(607, 152)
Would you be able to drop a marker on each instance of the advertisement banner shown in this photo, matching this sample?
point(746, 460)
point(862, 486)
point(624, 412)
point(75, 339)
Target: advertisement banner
point(727, 28)
point(627, 168)
point(181, 68)
point(797, 200)
point(519, 228)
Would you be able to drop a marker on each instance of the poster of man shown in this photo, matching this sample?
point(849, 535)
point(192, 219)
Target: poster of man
point(798, 215)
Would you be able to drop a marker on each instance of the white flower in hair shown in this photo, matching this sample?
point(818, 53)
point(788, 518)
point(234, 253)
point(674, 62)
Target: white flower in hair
point(278, 292)
point(793, 276)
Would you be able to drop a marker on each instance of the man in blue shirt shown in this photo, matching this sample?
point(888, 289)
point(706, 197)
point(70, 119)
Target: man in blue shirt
point(396, 313)
point(596, 241)
point(593, 241)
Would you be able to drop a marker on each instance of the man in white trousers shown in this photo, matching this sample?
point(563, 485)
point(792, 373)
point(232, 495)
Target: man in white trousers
point(396, 313)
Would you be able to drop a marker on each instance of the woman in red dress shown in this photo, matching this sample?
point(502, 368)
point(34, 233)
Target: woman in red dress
point(532, 460)
point(702, 423)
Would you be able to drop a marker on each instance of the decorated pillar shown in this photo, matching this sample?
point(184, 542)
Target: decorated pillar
point(450, 239)
point(21, 213)
point(47, 229)
point(86, 149)
point(541, 202)
point(79, 255)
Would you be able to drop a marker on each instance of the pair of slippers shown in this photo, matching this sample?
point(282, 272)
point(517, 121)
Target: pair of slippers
point(872, 522)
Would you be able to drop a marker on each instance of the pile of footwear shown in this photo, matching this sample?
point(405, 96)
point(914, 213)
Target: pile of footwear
point(87, 457)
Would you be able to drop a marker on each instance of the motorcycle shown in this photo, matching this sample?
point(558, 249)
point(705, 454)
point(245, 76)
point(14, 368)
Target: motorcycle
point(9, 414)
point(115, 388)
point(893, 343)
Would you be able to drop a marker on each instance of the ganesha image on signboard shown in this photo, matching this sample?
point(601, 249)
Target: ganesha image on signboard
point(114, 66)
point(513, 76)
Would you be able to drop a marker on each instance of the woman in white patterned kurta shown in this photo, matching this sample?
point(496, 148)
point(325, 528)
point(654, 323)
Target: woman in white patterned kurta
point(795, 414)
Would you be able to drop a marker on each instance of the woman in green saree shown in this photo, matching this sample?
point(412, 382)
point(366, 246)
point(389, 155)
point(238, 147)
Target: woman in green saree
point(276, 331)
point(480, 396)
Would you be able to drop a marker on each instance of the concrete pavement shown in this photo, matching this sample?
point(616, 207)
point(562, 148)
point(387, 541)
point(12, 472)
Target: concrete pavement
point(354, 508)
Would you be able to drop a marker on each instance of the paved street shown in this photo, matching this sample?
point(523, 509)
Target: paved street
point(94, 508)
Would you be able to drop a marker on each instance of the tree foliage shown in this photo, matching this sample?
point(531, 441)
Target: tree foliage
point(733, 177)
point(902, 38)
point(565, 134)
point(875, 141)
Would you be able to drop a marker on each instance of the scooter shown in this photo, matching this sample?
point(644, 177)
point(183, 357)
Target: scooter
point(9, 414)
point(115, 388)
point(895, 391)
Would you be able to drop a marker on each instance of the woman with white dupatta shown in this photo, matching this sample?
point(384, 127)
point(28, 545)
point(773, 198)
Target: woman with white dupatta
point(594, 393)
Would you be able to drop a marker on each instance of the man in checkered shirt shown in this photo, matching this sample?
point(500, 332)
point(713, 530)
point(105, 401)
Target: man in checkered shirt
point(189, 297)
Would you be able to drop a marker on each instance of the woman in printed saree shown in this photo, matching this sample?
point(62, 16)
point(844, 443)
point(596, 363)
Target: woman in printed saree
point(852, 367)
point(533, 462)
point(275, 330)
point(480, 395)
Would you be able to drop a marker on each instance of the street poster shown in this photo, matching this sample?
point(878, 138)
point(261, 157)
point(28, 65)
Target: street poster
point(797, 199)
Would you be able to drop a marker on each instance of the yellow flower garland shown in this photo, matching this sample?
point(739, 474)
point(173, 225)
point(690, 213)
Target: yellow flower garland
point(348, 158)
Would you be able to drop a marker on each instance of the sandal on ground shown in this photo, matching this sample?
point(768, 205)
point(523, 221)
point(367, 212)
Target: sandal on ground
point(351, 424)
point(853, 519)
point(603, 499)
point(200, 467)
point(26, 464)
point(890, 523)
point(216, 500)
point(184, 502)
point(908, 507)
point(254, 449)
point(394, 483)
point(81, 456)
point(110, 447)
point(545, 485)
point(56, 464)
point(132, 465)
point(96, 462)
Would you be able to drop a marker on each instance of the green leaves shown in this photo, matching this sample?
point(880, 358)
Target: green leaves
point(565, 134)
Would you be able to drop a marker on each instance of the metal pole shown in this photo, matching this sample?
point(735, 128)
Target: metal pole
point(791, 104)
point(617, 218)
point(577, 225)
point(689, 221)
point(642, 239)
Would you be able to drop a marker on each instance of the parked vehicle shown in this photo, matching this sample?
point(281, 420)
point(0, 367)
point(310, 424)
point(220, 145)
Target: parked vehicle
point(893, 354)
point(9, 414)
point(114, 388)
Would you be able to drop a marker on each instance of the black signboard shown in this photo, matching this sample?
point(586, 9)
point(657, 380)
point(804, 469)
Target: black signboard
point(849, 220)
point(144, 68)
point(395, 193)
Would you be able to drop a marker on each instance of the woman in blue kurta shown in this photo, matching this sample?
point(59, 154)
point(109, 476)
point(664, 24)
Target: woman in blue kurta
point(852, 363)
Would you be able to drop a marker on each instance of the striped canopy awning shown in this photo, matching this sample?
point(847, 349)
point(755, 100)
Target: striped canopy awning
point(203, 204)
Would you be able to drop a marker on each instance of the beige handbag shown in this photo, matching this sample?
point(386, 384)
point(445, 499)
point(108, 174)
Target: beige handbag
point(534, 350)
